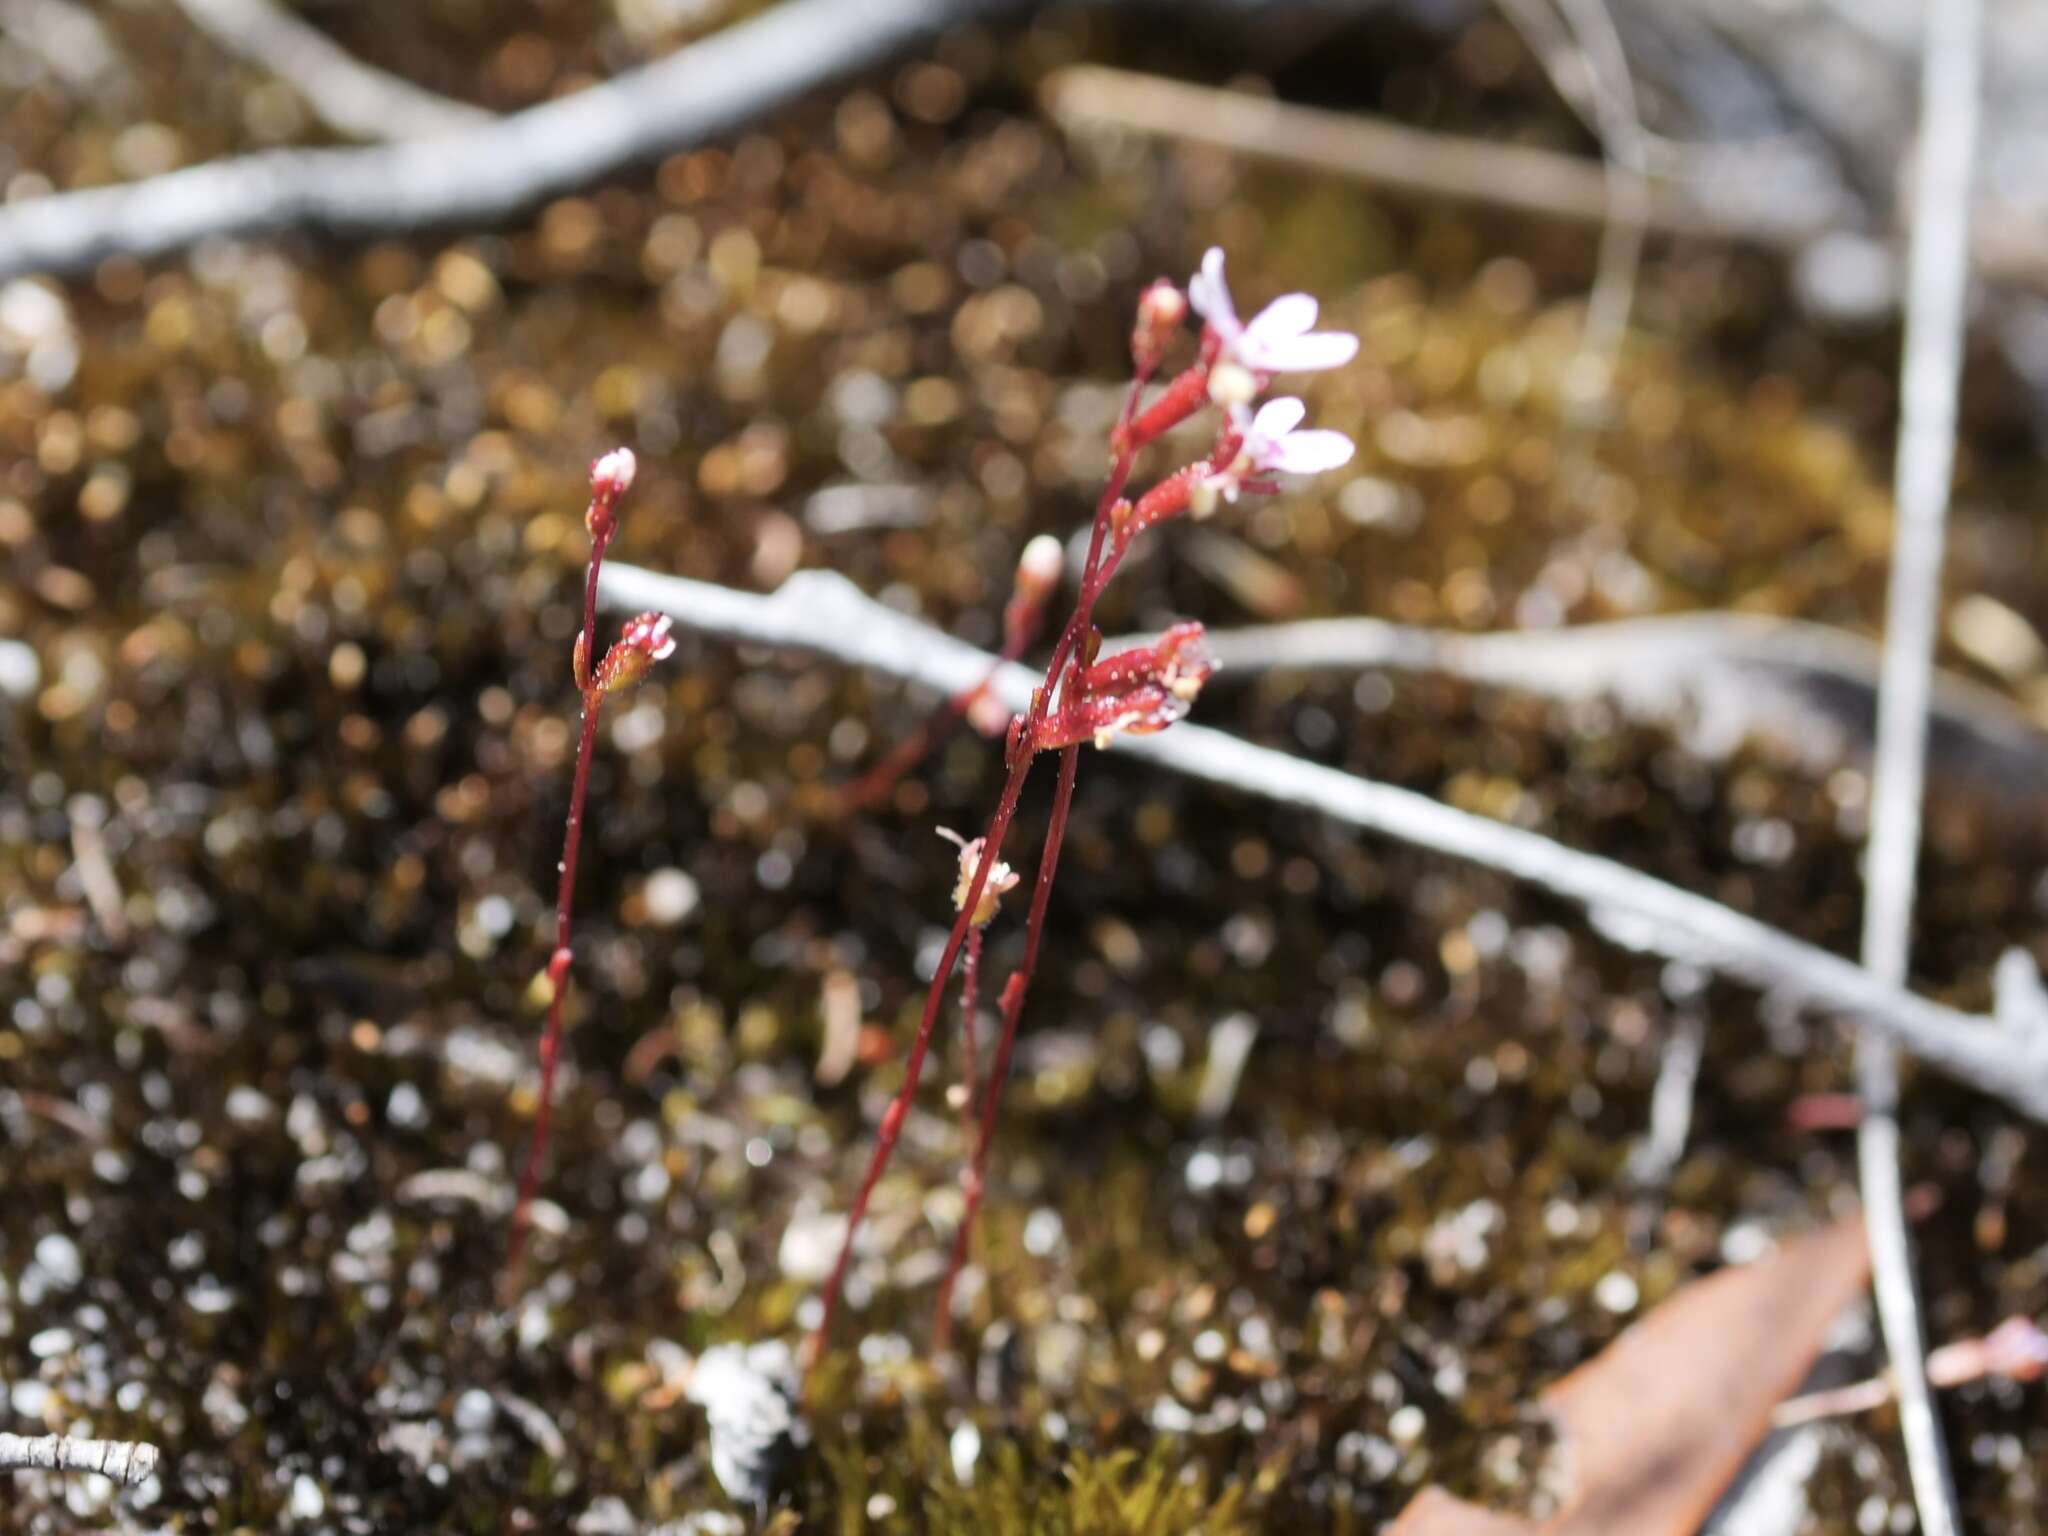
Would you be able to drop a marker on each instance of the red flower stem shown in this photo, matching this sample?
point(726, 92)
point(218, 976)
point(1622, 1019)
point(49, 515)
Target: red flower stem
point(913, 1065)
point(999, 1070)
point(565, 899)
point(970, 1063)
point(1094, 576)
point(1183, 397)
point(1093, 579)
point(992, 847)
point(872, 787)
point(1023, 615)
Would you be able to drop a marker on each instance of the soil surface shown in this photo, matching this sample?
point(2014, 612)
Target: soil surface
point(293, 533)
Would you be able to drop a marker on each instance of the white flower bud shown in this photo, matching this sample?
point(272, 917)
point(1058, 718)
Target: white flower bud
point(1038, 568)
point(612, 475)
point(1230, 384)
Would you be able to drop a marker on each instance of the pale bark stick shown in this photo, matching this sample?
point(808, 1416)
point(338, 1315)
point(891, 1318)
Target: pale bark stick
point(489, 173)
point(2004, 1057)
point(127, 1462)
point(1937, 291)
point(349, 96)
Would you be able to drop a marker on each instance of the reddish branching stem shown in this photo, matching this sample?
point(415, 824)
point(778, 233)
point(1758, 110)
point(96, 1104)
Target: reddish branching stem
point(913, 1065)
point(1094, 576)
point(970, 1052)
point(1089, 698)
point(642, 642)
point(969, 900)
point(1037, 575)
point(2016, 1350)
point(975, 1179)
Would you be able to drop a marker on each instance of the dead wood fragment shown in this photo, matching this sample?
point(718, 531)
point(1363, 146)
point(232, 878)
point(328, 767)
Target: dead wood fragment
point(1433, 1512)
point(2004, 1054)
point(127, 1462)
point(349, 96)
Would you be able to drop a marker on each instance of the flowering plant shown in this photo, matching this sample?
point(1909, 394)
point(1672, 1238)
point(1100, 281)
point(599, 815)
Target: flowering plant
point(642, 642)
point(1090, 698)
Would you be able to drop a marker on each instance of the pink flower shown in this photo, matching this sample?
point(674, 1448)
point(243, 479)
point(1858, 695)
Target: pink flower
point(1272, 442)
point(1278, 339)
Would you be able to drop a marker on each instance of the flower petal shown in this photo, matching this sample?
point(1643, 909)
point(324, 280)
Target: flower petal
point(1277, 417)
point(1289, 315)
point(1209, 294)
point(1301, 354)
point(1311, 452)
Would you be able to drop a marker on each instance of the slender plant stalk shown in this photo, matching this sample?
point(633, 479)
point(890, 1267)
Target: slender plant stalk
point(1022, 756)
point(559, 963)
point(873, 787)
point(913, 1065)
point(1038, 572)
point(1094, 577)
point(1930, 372)
point(642, 642)
point(1014, 991)
point(970, 1056)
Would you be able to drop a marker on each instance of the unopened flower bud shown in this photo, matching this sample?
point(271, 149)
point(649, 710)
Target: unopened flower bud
point(1161, 309)
point(610, 478)
point(1230, 384)
point(612, 475)
point(1038, 574)
point(644, 641)
point(987, 714)
point(1039, 567)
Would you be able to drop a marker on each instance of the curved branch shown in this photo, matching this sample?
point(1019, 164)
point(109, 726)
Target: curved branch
point(1809, 688)
point(1930, 374)
point(349, 96)
point(2005, 1058)
point(487, 173)
point(68, 40)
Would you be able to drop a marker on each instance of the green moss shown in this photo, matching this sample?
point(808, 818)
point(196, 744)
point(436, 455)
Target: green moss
point(1125, 1492)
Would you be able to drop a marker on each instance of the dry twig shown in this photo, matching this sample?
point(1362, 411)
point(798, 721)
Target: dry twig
point(1722, 678)
point(1360, 148)
point(68, 40)
point(1596, 59)
point(1513, 177)
point(127, 1462)
point(2005, 1057)
point(349, 96)
point(487, 173)
point(1937, 289)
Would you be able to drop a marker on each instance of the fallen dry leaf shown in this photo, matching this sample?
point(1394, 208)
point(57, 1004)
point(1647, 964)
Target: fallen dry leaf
point(1433, 1512)
point(1656, 1426)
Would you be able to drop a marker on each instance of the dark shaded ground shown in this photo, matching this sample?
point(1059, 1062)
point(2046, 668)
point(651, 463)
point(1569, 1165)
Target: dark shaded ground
point(297, 548)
